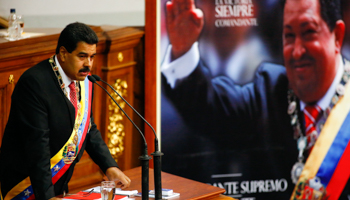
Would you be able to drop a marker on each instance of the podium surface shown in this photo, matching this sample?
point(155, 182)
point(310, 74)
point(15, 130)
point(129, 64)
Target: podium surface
point(187, 188)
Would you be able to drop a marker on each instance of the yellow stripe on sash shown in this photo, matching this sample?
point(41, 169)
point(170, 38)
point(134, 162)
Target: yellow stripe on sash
point(18, 189)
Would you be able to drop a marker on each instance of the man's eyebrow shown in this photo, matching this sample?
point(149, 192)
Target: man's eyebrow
point(84, 53)
point(308, 23)
point(304, 24)
point(287, 27)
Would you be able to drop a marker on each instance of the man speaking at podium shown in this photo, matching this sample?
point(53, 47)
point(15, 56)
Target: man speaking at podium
point(277, 117)
point(51, 124)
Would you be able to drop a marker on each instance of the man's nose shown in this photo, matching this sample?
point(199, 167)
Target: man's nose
point(299, 48)
point(88, 62)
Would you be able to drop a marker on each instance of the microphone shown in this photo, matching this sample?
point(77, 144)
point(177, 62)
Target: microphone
point(144, 158)
point(156, 155)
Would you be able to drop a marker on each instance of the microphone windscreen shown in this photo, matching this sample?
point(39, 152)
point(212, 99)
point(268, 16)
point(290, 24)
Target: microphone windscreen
point(92, 79)
point(97, 78)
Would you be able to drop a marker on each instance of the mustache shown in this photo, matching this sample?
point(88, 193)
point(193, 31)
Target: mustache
point(85, 69)
point(303, 59)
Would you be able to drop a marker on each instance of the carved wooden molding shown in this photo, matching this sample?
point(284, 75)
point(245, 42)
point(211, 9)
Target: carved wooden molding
point(116, 130)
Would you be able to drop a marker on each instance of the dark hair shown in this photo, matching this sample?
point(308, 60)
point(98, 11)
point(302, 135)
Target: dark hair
point(74, 33)
point(330, 11)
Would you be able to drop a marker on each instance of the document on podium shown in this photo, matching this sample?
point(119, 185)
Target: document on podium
point(117, 191)
point(95, 193)
point(91, 196)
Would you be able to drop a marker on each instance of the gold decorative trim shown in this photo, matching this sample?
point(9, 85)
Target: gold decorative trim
point(116, 130)
point(11, 79)
point(120, 57)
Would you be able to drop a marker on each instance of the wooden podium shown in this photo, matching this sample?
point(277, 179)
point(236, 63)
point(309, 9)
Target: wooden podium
point(187, 188)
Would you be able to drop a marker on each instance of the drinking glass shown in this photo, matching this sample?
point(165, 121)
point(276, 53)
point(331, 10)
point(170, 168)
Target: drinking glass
point(107, 189)
point(21, 23)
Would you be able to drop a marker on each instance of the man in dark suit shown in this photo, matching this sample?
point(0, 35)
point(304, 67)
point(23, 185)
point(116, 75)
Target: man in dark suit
point(252, 120)
point(51, 124)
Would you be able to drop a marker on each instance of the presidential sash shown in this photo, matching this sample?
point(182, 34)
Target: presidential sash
point(326, 170)
point(63, 159)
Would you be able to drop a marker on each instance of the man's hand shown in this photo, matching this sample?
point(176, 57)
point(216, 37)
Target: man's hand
point(184, 24)
point(115, 174)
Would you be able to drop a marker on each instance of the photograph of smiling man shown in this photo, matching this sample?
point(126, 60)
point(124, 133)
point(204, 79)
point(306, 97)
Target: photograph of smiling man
point(254, 137)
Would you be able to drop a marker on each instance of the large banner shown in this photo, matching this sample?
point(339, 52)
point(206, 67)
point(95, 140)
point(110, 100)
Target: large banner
point(237, 38)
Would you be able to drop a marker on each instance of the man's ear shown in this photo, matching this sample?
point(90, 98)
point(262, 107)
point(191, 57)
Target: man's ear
point(63, 53)
point(339, 31)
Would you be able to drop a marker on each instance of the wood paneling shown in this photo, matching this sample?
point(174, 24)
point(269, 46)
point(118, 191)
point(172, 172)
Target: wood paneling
point(8, 81)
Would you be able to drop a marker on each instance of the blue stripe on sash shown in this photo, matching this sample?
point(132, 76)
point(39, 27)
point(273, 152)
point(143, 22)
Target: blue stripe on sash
point(54, 170)
point(335, 152)
point(22, 196)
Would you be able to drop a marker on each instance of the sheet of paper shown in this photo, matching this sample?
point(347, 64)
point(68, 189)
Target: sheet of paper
point(119, 191)
point(92, 196)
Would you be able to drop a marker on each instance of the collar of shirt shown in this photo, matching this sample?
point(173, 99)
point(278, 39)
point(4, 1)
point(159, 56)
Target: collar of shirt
point(327, 98)
point(66, 80)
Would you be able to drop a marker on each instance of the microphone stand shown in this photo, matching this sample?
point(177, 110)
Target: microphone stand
point(157, 170)
point(156, 154)
point(144, 157)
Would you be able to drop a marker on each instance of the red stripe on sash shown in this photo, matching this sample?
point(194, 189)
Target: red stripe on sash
point(31, 197)
point(340, 176)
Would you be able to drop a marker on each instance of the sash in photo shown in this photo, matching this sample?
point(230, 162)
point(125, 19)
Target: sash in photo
point(326, 170)
point(24, 190)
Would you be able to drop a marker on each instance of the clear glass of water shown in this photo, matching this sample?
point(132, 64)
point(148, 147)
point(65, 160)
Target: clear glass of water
point(21, 25)
point(107, 189)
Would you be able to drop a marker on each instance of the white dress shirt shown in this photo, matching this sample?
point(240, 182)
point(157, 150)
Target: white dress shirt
point(66, 80)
